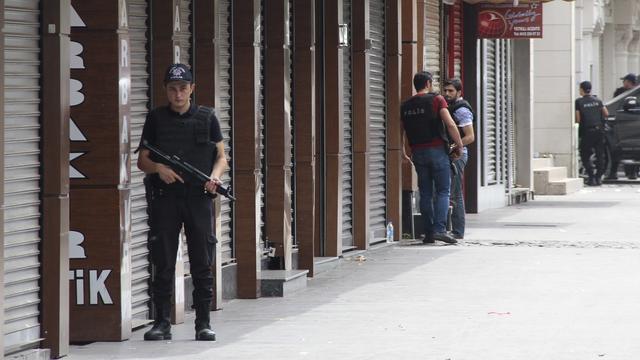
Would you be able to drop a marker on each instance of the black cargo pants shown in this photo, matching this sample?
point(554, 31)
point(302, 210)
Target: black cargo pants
point(170, 210)
point(591, 140)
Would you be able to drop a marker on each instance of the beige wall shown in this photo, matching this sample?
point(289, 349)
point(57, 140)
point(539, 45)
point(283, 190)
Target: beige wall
point(555, 86)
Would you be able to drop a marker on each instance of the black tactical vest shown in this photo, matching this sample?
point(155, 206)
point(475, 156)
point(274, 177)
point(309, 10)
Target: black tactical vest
point(461, 104)
point(421, 124)
point(188, 138)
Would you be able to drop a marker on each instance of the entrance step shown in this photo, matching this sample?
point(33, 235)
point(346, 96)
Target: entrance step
point(323, 264)
point(565, 186)
point(542, 162)
point(548, 174)
point(279, 283)
point(552, 180)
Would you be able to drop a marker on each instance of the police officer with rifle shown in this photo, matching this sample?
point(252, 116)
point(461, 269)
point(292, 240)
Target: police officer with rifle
point(179, 197)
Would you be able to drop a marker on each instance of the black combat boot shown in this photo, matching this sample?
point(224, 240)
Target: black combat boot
point(203, 327)
point(161, 329)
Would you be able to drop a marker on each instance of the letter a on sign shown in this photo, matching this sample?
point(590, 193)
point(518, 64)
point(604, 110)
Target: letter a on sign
point(124, 22)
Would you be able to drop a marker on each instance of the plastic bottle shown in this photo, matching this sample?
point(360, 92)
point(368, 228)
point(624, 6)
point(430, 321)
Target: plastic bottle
point(389, 232)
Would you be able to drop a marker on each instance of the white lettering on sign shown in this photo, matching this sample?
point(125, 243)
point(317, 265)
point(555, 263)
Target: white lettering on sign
point(75, 134)
point(124, 135)
point(125, 222)
point(78, 277)
point(97, 288)
point(176, 19)
point(124, 53)
point(176, 54)
point(75, 49)
point(124, 163)
point(76, 21)
point(76, 251)
point(73, 172)
point(124, 22)
point(76, 96)
point(124, 91)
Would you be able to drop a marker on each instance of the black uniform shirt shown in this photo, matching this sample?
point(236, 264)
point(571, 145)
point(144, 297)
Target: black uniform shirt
point(590, 108)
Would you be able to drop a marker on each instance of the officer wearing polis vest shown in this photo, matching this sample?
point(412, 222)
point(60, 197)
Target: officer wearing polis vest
point(176, 200)
point(463, 115)
point(591, 115)
point(425, 122)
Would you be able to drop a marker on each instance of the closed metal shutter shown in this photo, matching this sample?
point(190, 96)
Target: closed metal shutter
point(511, 127)
point(22, 175)
point(184, 35)
point(432, 41)
point(457, 40)
point(184, 42)
point(505, 123)
point(347, 157)
point(377, 130)
point(140, 268)
point(290, 100)
point(511, 124)
point(489, 111)
point(262, 145)
point(224, 116)
point(500, 110)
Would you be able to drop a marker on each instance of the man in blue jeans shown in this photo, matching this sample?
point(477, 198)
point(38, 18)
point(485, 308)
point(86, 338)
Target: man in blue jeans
point(425, 118)
point(463, 116)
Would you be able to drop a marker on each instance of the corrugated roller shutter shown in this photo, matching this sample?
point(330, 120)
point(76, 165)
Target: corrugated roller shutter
point(502, 118)
point(457, 40)
point(263, 164)
point(224, 116)
point(140, 268)
point(291, 104)
point(184, 40)
point(184, 35)
point(432, 41)
point(347, 157)
point(489, 109)
point(511, 123)
point(22, 174)
point(377, 130)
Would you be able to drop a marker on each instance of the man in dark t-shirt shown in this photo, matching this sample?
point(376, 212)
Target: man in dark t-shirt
point(425, 123)
point(591, 114)
point(175, 199)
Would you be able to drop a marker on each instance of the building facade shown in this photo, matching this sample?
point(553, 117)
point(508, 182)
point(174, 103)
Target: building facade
point(589, 40)
point(308, 99)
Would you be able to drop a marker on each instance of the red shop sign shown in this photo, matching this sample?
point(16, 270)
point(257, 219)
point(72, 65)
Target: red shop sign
point(504, 21)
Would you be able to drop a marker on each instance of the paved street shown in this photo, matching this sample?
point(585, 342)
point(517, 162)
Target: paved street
point(556, 278)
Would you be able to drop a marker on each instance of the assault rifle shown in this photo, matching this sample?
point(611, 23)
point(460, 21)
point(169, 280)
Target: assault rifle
point(178, 164)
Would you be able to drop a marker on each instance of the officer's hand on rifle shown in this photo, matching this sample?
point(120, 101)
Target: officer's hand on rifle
point(168, 175)
point(212, 185)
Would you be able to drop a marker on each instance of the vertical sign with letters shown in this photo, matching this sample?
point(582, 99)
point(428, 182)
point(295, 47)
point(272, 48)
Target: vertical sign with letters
point(100, 229)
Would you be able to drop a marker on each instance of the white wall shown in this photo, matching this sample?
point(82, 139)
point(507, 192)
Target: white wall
point(555, 85)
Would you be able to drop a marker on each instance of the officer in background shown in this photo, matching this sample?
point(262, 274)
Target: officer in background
point(176, 200)
point(629, 81)
point(591, 115)
point(463, 116)
point(425, 119)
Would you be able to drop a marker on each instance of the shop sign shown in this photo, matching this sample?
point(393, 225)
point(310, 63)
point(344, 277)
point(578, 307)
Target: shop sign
point(506, 21)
